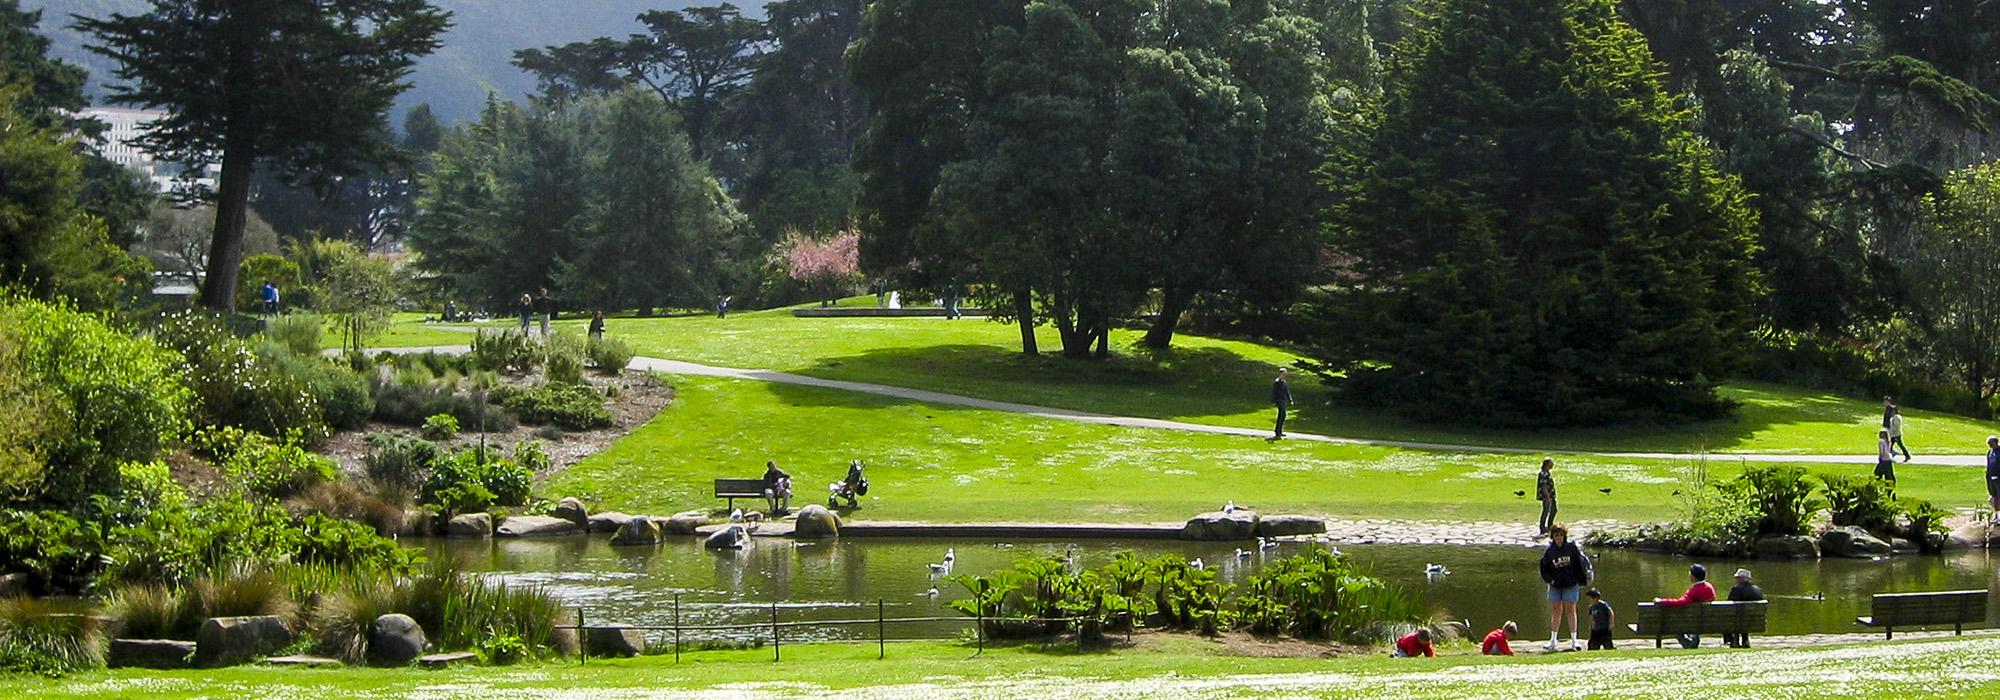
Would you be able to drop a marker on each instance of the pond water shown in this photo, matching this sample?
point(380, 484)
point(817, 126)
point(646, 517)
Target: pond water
point(843, 579)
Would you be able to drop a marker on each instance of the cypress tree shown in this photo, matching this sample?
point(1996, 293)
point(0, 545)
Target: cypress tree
point(1538, 236)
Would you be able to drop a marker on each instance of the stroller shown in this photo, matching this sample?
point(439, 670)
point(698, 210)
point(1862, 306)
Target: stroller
point(851, 488)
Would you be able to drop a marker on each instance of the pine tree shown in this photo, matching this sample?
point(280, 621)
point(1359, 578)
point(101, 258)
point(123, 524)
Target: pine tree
point(1539, 237)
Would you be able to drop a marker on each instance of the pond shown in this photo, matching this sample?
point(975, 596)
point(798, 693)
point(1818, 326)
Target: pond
point(843, 579)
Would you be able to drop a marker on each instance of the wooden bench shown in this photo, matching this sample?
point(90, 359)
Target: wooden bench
point(733, 489)
point(1955, 608)
point(1722, 617)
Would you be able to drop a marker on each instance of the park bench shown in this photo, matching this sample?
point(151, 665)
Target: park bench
point(733, 489)
point(1955, 608)
point(1661, 622)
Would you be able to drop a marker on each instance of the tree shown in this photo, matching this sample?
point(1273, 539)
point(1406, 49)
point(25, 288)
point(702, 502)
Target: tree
point(798, 119)
point(301, 86)
point(824, 266)
point(177, 237)
point(357, 290)
point(1540, 236)
point(49, 245)
point(1956, 312)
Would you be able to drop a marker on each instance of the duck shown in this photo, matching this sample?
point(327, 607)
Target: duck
point(1436, 570)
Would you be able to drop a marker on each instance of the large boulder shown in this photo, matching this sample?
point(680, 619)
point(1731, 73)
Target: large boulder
point(1851, 541)
point(1218, 526)
point(731, 537)
point(470, 525)
point(815, 521)
point(1974, 536)
point(1786, 547)
point(536, 526)
point(227, 641)
point(1289, 526)
point(395, 640)
point(637, 531)
point(150, 653)
point(607, 522)
point(418, 522)
point(613, 641)
point(573, 510)
point(682, 523)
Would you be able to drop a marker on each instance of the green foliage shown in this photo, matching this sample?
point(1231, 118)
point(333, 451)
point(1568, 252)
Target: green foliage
point(342, 393)
point(262, 267)
point(243, 590)
point(1944, 334)
point(1861, 501)
point(1322, 595)
point(259, 466)
point(34, 638)
point(151, 611)
point(93, 398)
point(440, 427)
point(52, 546)
point(470, 480)
point(564, 351)
point(569, 406)
point(1611, 282)
point(504, 351)
point(411, 403)
point(399, 460)
point(356, 290)
point(1782, 497)
point(236, 387)
point(1926, 522)
point(299, 333)
point(609, 355)
point(51, 246)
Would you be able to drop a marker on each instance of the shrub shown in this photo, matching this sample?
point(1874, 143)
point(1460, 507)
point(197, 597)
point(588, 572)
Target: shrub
point(342, 393)
point(564, 353)
point(151, 611)
point(337, 542)
point(570, 406)
point(1782, 497)
point(235, 386)
point(471, 480)
point(410, 404)
point(115, 398)
point(298, 333)
point(1925, 520)
point(345, 500)
point(609, 355)
point(1860, 501)
point(399, 461)
point(34, 638)
point(504, 351)
point(440, 427)
point(243, 590)
point(258, 465)
point(341, 622)
point(57, 549)
point(1321, 595)
point(533, 456)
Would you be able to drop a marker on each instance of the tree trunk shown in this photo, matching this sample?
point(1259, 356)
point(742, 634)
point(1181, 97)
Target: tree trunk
point(1074, 332)
point(1103, 339)
point(1024, 314)
point(225, 248)
point(1173, 302)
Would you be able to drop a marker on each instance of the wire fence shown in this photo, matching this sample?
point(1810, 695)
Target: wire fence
point(775, 628)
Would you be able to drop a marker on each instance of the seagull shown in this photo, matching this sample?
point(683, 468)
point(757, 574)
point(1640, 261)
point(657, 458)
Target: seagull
point(1002, 545)
point(1197, 564)
point(1229, 507)
point(949, 555)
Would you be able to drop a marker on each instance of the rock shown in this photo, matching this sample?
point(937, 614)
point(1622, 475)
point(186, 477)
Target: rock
point(1851, 541)
point(1904, 545)
point(455, 658)
point(418, 522)
point(683, 523)
point(470, 525)
point(1786, 547)
point(637, 531)
point(731, 537)
point(1289, 525)
point(395, 640)
point(150, 653)
point(304, 661)
point(13, 585)
point(227, 641)
point(613, 641)
point(1221, 527)
point(815, 521)
point(607, 522)
point(536, 526)
point(1975, 536)
point(573, 510)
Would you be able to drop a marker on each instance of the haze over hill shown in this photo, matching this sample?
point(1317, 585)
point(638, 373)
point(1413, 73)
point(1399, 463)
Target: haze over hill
point(476, 55)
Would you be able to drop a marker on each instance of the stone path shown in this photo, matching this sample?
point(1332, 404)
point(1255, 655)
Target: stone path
point(666, 366)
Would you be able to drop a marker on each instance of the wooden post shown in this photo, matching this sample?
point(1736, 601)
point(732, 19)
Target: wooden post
point(979, 626)
point(774, 632)
point(881, 633)
point(582, 650)
point(677, 628)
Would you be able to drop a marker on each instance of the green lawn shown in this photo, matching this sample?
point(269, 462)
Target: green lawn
point(1173, 666)
point(406, 330)
point(943, 464)
point(1225, 382)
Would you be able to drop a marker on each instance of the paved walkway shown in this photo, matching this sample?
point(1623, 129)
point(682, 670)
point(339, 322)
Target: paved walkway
point(655, 364)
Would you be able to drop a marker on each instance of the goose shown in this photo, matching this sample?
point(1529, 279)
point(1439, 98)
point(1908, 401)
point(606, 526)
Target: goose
point(1268, 543)
point(1069, 555)
point(1242, 553)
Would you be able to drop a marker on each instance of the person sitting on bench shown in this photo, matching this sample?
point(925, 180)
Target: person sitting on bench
point(1699, 592)
point(777, 488)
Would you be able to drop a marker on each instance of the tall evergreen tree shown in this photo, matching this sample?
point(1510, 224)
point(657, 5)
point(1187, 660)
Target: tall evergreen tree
point(302, 86)
point(1540, 237)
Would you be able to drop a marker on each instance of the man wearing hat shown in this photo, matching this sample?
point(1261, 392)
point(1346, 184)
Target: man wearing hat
point(1743, 590)
point(1700, 591)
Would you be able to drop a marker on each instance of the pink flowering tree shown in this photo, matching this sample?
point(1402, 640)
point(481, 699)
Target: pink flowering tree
point(825, 266)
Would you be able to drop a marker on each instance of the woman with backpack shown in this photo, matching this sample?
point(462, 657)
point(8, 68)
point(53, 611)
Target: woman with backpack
point(1566, 570)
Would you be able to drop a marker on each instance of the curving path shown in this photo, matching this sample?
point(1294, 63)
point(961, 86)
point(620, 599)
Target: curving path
point(760, 375)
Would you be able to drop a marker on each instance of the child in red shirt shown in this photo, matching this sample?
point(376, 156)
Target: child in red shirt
point(1496, 640)
point(1416, 643)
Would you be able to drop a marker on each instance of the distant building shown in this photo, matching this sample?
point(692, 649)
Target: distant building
point(116, 145)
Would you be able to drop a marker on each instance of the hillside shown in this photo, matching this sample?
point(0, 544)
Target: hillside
point(476, 54)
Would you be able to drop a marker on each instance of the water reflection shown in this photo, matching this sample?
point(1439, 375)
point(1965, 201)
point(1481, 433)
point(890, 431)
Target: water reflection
point(843, 579)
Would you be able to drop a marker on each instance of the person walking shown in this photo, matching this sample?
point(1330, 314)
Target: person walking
point(1281, 396)
point(1545, 491)
point(270, 295)
point(597, 326)
point(545, 309)
point(1601, 619)
point(722, 306)
point(1993, 473)
point(527, 312)
point(1566, 571)
point(1885, 458)
point(1699, 591)
point(1895, 428)
point(1744, 590)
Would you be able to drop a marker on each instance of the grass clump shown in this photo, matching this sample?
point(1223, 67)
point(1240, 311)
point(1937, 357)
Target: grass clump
point(36, 639)
point(151, 611)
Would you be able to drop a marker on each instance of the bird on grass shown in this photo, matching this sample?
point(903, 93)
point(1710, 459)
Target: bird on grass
point(939, 568)
point(1605, 490)
point(932, 593)
point(1520, 494)
point(1229, 507)
point(1435, 570)
point(949, 555)
point(736, 515)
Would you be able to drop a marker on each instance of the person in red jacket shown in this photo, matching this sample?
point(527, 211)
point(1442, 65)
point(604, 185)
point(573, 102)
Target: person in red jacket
point(1496, 640)
point(1700, 591)
point(1414, 644)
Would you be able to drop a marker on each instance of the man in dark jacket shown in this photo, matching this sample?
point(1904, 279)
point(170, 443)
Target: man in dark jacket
point(1993, 473)
point(1743, 590)
point(545, 308)
point(1567, 571)
point(1545, 491)
point(1281, 396)
point(777, 488)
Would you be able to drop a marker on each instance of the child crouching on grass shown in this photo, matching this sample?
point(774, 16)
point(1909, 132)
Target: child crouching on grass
point(1601, 618)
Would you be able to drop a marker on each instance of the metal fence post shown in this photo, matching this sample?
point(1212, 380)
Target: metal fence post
point(774, 632)
point(582, 653)
point(677, 628)
point(881, 633)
